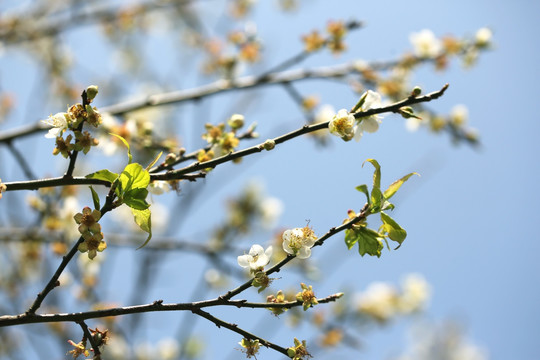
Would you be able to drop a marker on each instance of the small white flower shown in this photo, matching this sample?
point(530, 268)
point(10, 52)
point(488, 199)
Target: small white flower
point(426, 45)
point(158, 187)
point(256, 259)
point(483, 37)
point(299, 242)
point(371, 123)
point(168, 349)
point(271, 209)
point(59, 123)
point(325, 113)
point(342, 125)
point(459, 115)
point(415, 293)
point(379, 300)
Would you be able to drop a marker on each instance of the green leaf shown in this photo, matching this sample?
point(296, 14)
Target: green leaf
point(350, 238)
point(134, 177)
point(130, 157)
point(392, 228)
point(154, 161)
point(376, 200)
point(376, 173)
point(364, 189)
point(103, 175)
point(394, 187)
point(369, 242)
point(144, 220)
point(95, 198)
point(136, 199)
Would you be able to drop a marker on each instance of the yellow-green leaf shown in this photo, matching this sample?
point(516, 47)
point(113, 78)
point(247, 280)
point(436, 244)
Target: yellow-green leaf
point(392, 228)
point(154, 161)
point(134, 177)
point(144, 220)
point(376, 173)
point(136, 198)
point(394, 187)
point(95, 198)
point(103, 175)
point(364, 189)
point(130, 157)
point(369, 242)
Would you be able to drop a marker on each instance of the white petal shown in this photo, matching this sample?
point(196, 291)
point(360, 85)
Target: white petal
point(269, 250)
point(244, 260)
point(286, 247)
point(256, 250)
point(373, 100)
point(370, 124)
point(304, 253)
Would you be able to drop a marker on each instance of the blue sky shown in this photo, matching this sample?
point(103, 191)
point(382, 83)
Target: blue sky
point(471, 215)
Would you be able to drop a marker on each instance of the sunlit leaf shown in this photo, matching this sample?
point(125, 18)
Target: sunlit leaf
point(103, 175)
point(136, 198)
point(130, 157)
point(144, 220)
point(369, 242)
point(376, 173)
point(154, 161)
point(392, 228)
point(394, 187)
point(364, 189)
point(134, 177)
point(95, 198)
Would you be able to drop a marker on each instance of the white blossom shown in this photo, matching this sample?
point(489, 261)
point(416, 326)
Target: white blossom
point(371, 123)
point(158, 187)
point(426, 45)
point(271, 209)
point(299, 242)
point(415, 293)
point(459, 115)
point(325, 113)
point(483, 36)
point(257, 257)
point(342, 125)
point(59, 123)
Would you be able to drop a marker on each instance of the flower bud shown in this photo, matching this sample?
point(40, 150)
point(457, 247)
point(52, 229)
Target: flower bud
point(269, 144)
point(91, 92)
point(416, 91)
point(236, 121)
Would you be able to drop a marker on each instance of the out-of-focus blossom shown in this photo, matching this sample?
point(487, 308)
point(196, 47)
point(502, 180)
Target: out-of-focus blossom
point(425, 44)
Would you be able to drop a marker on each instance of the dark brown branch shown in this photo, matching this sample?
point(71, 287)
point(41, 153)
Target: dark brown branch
point(187, 172)
point(233, 327)
point(197, 166)
point(63, 181)
point(24, 319)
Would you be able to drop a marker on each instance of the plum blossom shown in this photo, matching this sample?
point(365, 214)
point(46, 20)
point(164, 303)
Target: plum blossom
point(371, 123)
point(342, 125)
point(299, 241)
point(257, 258)
point(426, 45)
point(59, 123)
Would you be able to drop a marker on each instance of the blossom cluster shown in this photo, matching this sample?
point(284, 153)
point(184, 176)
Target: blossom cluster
point(222, 138)
point(73, 120)
point(381, 301)
point(336, 33)
point(345, 125)
point(90, 230)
